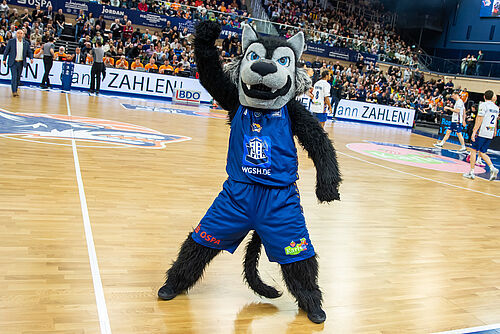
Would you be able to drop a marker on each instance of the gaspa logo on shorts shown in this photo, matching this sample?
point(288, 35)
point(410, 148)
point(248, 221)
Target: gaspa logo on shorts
point(295, 249)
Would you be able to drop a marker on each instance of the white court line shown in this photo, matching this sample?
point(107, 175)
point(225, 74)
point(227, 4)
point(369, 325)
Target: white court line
point(418, 176)
point(102, 311)
point(471, 329)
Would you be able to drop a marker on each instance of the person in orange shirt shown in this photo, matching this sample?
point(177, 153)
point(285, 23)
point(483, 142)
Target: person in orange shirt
point(222, 7)
point(464, 95)
point(61, 55)
point(151, 66)
point(178, 69)
point(108, 61)
point(137, 66)
point(176, 5)
point(166, 67)
point(122, 63)
point(89, 60)
point(38, 52)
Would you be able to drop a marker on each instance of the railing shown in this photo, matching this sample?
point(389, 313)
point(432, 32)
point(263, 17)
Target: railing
point(460, 67)
point(263, 25)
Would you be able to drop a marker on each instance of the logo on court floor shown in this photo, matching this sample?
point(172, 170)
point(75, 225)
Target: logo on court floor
point(423, 157)
point(176, 111)
point(46, 126)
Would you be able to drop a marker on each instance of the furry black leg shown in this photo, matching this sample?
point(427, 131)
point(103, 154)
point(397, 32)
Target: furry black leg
point(187, 269)
point(301, 279)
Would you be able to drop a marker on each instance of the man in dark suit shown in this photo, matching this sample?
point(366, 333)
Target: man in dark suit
point(17, 50)
point(78, 58)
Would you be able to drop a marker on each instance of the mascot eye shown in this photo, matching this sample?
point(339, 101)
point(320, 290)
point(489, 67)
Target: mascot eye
point(284, 61)
point(253, 56)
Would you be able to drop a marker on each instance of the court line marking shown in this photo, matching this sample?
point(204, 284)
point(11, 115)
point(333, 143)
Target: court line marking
point(418, 176)
point(471, 330)
point(102, 311)
point(60, 144)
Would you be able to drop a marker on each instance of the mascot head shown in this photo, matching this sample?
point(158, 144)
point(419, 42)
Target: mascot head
point(266, 74)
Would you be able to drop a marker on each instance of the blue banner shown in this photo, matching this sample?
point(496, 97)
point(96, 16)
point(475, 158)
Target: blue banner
point(44, 4)
point(339, 53)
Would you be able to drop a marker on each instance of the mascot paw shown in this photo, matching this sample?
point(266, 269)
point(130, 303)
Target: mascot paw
point(166, 293)
point(317, 316)
point(207, 31)
point(327, 193)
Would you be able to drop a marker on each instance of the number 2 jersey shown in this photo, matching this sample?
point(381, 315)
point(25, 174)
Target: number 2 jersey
point(490, 113)
point(261, 148)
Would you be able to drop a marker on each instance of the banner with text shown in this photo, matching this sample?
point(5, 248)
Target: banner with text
point(116, 80)
point(375, 113)
point(323, 50)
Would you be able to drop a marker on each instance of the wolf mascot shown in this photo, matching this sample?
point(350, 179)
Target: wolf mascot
point(259, 89)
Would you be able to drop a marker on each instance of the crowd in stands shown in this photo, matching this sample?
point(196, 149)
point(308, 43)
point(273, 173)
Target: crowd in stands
point(342, 27)
point(398, 86)
point(169, 51)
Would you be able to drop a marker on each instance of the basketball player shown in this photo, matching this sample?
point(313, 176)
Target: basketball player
point(486, 123)
point(457, 122)
point(321, 98)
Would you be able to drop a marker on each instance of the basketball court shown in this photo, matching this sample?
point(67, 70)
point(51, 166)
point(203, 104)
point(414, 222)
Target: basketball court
point(99, 192)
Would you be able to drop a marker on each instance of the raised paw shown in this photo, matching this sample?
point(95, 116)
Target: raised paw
point(207, 32)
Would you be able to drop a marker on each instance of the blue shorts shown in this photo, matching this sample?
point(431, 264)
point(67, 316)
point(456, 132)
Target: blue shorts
point(275, 213)
point(456, 127)
point(322, 117)
point(481, 144)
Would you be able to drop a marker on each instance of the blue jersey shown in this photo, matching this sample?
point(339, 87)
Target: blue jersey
point(261, 148)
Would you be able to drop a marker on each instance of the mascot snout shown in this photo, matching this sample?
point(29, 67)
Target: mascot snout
point(264, 67)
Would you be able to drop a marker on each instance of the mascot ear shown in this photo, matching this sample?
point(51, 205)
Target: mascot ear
point(297, 43)
point(248, 36)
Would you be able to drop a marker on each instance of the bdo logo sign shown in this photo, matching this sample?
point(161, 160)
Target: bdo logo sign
point(184, 96)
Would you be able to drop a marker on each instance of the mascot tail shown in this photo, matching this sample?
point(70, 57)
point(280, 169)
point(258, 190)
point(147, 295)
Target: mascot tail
point(251, 273)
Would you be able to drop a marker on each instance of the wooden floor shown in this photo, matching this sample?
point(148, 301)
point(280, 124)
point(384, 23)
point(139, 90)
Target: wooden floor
point(399, 254)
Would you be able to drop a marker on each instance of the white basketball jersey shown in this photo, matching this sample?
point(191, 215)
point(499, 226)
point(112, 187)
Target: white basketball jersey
point(305, 100)
point(489, 111)
point(320, 91)
point(458, 117)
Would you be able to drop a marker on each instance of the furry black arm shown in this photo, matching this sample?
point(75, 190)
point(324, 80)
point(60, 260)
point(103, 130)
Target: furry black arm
point(316, 142)
point(212, 77)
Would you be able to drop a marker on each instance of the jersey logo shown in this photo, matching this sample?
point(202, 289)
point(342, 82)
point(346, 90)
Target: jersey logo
point(257, 151)
point(45, 127)
point(256, 127)
point(295, 249)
